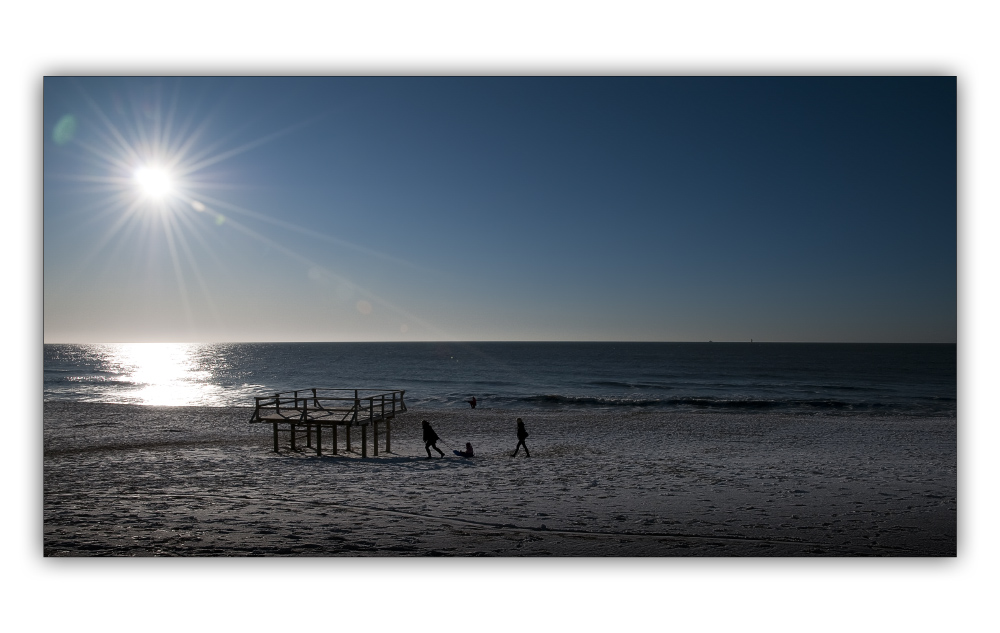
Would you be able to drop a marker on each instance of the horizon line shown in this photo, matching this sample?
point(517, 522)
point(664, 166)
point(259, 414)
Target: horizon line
point(280, 342)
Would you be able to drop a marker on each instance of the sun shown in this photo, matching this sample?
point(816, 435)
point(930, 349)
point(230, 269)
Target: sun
point(154, 182)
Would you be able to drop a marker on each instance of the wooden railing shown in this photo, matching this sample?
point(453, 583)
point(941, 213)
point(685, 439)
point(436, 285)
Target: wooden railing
point(356, 405)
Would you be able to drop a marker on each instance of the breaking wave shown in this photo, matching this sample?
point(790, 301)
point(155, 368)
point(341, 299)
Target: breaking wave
point(705, 402)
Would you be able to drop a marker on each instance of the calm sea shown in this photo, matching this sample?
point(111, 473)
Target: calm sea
point(801, 377)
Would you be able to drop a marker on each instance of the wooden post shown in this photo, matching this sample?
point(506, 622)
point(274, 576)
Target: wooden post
point(305, 418)
point(347, 438)
point(293, 436)
point(334, 438)
point(315, 401)
point(371, 419)
point(364, 443)
point(277, 402)
point(275, 437)
point(357, 405)
point(319, 438)
point(388, 425)
point(382, 416)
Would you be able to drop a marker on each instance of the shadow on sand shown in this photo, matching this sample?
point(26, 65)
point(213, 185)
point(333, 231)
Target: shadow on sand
point(308, 459)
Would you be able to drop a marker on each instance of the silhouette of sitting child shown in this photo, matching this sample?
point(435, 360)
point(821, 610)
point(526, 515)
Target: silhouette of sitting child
point(467, 452)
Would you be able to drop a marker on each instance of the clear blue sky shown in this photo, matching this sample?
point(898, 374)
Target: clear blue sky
point(342, 209)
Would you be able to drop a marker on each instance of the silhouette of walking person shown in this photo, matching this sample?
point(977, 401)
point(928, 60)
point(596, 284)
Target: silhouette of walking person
point(522, 434)
point(472, 402)
point(431, 438)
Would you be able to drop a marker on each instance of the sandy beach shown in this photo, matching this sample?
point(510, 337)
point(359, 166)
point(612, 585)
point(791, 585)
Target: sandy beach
point(126, 480)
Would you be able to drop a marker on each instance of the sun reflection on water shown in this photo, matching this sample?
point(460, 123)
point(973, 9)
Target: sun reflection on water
point(164, 374)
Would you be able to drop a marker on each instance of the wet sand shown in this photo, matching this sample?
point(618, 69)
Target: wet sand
point(123, 480)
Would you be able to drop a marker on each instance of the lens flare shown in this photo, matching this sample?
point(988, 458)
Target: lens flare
point(65, 130)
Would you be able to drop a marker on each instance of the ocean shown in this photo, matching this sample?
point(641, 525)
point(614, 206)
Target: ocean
point(801, 378)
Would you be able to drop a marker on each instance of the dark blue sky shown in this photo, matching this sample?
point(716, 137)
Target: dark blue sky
point(778, 209)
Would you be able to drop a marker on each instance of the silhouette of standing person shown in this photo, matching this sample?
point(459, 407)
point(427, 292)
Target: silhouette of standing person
point(522, 434)
point(472, 402)
point(431, 438)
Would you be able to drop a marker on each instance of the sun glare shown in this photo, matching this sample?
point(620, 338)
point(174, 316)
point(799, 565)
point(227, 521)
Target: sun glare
point(164, 374)
point(154, 183)
point(154, 164)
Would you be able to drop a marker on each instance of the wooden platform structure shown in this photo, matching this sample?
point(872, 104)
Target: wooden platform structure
point(309, 410)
